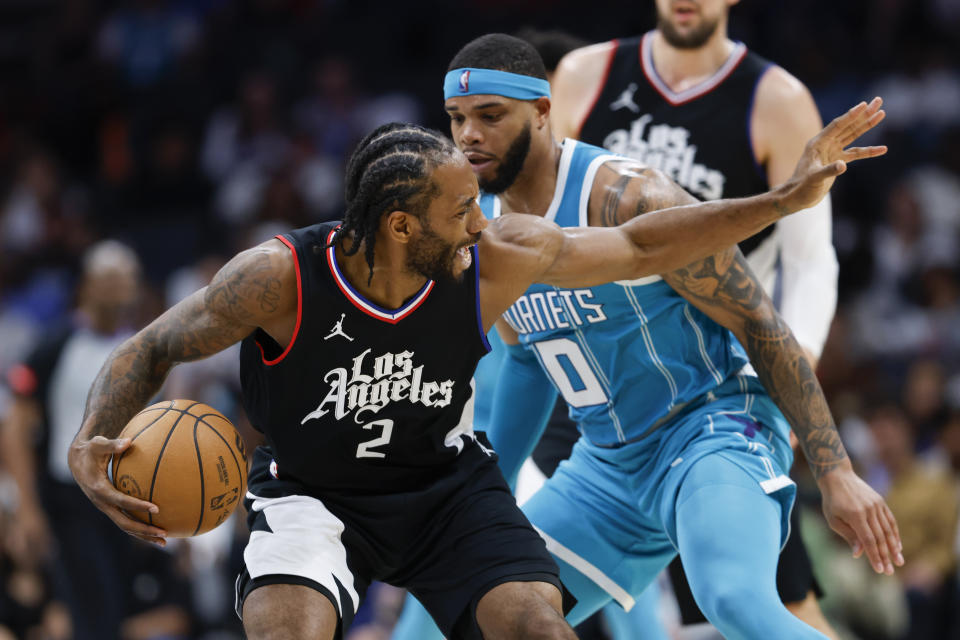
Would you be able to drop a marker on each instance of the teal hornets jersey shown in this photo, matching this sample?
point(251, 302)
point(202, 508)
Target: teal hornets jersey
point(626, 356)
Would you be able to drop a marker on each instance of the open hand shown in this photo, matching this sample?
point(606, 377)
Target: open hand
point(826, 154)
point(89, 460)
point(861, 516)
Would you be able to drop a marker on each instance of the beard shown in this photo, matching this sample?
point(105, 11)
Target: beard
point(692, 40)
point(432, 257)
point(512, 163)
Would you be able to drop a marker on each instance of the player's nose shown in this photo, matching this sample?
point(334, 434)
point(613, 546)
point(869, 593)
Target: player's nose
point(469, 134)
point(476, 221)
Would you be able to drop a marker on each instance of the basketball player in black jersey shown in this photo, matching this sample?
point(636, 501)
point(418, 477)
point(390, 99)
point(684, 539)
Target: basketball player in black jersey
point(723, 122)
point(359, 344)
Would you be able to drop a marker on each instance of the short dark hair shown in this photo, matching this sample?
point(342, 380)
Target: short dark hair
point(389, 170)
point(551, 44)
point(500, 52)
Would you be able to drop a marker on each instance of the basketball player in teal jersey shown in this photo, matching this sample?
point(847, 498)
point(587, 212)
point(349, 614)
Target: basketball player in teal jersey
point(685, 445)
point(723, 122)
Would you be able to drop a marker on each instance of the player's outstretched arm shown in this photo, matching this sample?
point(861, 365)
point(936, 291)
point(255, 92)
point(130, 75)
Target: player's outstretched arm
point(678, 230)
point(725, 288)
point(257, 288)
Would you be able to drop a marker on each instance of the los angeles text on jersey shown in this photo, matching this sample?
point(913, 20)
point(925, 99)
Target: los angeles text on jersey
point(390, 377)
point(667, 148)
point(553, 309)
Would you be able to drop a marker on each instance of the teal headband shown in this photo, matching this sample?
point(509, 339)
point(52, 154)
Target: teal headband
point(469, 81)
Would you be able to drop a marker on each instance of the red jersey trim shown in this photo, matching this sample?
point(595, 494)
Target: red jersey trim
point(600, 88)
point(296, 328)
point(675, 99)
point(369, 308)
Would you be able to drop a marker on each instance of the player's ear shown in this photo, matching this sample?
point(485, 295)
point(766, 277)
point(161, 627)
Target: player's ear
point(400, 225)
point(542, 109)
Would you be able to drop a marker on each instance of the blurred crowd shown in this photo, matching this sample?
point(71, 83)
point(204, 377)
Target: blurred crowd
point(190, 129)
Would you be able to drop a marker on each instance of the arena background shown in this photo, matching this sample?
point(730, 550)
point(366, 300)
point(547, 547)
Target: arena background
point(193, 129)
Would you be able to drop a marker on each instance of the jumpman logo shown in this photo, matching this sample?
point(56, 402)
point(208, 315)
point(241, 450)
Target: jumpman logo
point(626, 99)
point(338, 329)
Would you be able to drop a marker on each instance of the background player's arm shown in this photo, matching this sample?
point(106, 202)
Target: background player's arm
point(725, 288)
point(783, 119)
point(257, 288)
point(576, 84)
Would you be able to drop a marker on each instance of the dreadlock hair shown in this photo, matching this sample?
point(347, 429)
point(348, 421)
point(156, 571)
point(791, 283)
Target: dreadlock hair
point(389, 170)
point(500, 52)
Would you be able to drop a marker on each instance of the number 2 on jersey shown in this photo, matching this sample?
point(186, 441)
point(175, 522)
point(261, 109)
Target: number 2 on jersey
point(557, 353)
point(364, 449)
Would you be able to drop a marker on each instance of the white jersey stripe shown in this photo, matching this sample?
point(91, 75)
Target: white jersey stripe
point(651, 348)
point(590, 570)
point(702, 345)
point(646, 57)
point(566, 157)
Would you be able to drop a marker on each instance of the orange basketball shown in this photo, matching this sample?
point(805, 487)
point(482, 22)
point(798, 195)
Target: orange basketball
point(186, 458)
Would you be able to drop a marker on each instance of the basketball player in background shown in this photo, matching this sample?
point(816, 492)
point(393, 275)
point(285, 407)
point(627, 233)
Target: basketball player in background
point(373, 470)
point(94, 564)
point(722, 122)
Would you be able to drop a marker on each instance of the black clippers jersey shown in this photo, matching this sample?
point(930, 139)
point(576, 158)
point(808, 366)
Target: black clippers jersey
point(365, 399)
point(700, 137)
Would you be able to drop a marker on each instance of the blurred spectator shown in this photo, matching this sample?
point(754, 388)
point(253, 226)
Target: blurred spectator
point(243, 146)
point(147, 39)
point(926, 503)
point(330, 113)
point(113, 585)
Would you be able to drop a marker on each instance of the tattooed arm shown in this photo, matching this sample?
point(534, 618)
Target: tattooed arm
point(257, 288)
point(725, 288)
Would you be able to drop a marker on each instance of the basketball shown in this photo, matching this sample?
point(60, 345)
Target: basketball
point(186, 458)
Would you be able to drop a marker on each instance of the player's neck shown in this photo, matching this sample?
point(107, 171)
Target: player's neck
point(532, 191)
point(392, 284)
point(682, 69)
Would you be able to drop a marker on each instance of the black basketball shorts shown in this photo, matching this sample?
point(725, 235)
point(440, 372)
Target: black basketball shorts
point(448, 543)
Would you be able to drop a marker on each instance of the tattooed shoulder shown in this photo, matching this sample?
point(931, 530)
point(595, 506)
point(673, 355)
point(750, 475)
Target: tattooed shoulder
point(255, 283)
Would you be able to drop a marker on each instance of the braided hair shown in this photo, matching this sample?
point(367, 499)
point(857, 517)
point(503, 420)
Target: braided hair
point(389, 170)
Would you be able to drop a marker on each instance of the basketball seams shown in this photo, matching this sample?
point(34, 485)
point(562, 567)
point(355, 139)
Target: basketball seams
point(116, 466)
point(156, 467)
point(241, 472)
point(160, 443)
point(203, 504)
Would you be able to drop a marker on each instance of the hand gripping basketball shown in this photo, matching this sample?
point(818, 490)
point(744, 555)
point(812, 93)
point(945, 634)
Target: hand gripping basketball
point(187, 459)
point(826, 155)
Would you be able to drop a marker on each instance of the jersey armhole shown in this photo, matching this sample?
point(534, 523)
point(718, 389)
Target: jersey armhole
point(296, 327)
point(600, 88)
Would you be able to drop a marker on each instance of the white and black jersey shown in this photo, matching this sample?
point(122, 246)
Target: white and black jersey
point(372, 470)
point(702, 139)
point(365, 399)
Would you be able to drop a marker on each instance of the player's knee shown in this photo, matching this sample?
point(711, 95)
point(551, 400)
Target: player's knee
point(543, 623)
point(288, 612)
point(523, 611)
point(726, 604)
